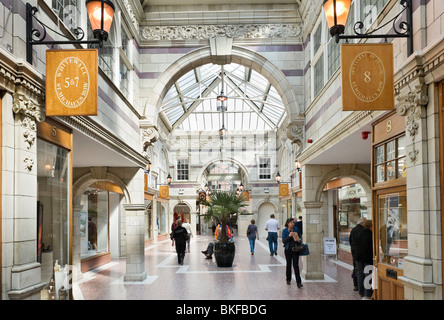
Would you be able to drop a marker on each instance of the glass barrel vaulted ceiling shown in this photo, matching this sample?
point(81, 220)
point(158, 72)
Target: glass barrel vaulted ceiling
point(253, 103)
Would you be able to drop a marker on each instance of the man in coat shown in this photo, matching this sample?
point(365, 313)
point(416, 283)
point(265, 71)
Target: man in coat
point(353, 238)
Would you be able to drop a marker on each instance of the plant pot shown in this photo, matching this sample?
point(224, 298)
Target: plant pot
point(224, 253)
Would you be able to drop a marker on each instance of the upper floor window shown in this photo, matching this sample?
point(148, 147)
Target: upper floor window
point(68, 12)
point(264, 168)
point(182, 169)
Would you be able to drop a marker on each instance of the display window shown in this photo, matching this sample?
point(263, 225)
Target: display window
point(94, 222)
point(390, 160)
point(351, 206)
point(162, 218)
point(392, 242)
point(53, 168)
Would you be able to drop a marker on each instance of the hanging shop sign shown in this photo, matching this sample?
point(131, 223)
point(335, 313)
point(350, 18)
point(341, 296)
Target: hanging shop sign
point(367, 77)
point(71, 82)
point(283, 190)
point(164, 192)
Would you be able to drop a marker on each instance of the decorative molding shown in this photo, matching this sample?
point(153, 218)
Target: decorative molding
point(129, 9)
point(248, 31)
point(92, 130)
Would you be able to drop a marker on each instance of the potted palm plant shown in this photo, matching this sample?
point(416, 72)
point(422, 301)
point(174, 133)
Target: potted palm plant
point(222, 205)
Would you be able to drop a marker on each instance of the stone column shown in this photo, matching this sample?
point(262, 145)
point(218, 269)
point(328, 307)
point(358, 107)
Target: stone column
point(154, 216)
point(312, 233)
point(311, 215)
point(422, 206)
point(135, 242)
point(22, 191)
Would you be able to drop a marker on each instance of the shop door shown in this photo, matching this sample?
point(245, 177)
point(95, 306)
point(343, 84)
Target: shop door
point(390, 235)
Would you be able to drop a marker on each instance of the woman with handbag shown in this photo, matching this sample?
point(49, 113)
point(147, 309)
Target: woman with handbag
point(291, 238)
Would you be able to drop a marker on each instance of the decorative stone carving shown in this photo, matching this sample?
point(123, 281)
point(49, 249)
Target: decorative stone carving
point(30, 111)
point(295, 132)
point(29, 138)
point(277, 31)
point(411, 107)
point(149, 136)
point(130, 10)
point(29, 163)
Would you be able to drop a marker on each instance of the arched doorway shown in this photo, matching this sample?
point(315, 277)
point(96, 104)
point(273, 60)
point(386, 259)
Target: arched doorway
point(264, 211)
point(183, 211)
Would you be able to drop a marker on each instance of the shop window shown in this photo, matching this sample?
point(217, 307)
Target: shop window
point(162, 218)
point(351, 206)
point(392, 229)
point(52, 213)
point(94, 221)
point(390, 159)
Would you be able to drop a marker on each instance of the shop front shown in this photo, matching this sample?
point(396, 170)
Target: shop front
point(54, 212)
point(390, 203)
point(99, 221)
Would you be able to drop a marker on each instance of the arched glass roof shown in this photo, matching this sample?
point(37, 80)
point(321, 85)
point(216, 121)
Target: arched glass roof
point(253, 103)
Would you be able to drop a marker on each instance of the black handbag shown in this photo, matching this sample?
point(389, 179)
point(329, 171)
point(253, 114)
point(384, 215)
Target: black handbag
point(298, 247)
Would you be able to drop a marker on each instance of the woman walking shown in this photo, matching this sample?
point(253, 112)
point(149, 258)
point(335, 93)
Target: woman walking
point(291, 237)
point(180, 237)
point(252, 234)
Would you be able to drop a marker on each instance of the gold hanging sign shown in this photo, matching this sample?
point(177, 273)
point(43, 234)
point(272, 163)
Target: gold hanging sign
point(164, 192)
point(71, 82)
point(283, 190)
point(367, 77)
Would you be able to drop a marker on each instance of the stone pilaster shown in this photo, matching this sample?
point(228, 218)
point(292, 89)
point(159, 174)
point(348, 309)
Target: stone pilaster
point(418, 276)
point(25, 270)
point(135, 242)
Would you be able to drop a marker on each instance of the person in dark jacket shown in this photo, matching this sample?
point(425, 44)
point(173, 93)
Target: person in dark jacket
point(364, 258)
point(290, 236)
point(180, 237)
point(354, 234)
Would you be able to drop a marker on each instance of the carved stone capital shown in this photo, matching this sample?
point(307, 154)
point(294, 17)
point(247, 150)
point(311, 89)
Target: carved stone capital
point(295, 132)
point(149, 136)
point(30, 111)
point(416, 98)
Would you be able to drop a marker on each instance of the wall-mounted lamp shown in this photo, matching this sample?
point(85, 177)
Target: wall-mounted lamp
point(241, 187)
point(297, 165)
point(148, 167)
point(100, 13)
point(278, 177)
point(169, 179)
point(336, 12)
point(206, 187)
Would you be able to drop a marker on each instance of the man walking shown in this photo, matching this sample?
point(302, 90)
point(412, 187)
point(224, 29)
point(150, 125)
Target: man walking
point(353, 238)
point(272, 227)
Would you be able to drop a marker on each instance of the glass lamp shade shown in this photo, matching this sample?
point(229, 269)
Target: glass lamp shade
point(278, 177)
point(94, 8)
point(222, 102)
point(336, 20)
point(169, 178)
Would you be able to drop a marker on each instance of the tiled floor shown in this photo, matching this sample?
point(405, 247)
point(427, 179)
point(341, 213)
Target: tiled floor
point(252, 277)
